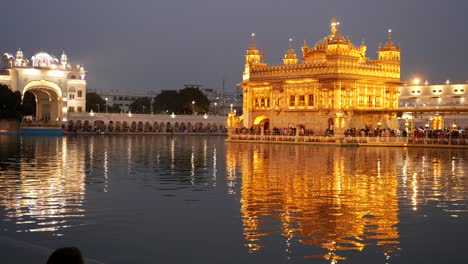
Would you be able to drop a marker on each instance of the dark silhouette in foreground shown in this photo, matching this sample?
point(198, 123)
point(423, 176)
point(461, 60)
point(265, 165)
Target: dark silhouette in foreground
point(66, 255)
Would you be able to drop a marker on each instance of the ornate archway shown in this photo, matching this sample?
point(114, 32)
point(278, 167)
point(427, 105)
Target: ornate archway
point(48, 96)
point(262, 121)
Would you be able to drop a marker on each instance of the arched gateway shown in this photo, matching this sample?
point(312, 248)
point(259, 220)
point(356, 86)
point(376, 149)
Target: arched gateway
point(48, 98)
point(58, 88)
point(262, 121)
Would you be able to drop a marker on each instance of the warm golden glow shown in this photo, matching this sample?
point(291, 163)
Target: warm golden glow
point(308, 80)
point(308, 92)
point(339, 199)
point(327, 206)
point(260, 119)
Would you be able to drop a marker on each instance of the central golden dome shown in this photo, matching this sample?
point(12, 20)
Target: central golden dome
point(333, 44)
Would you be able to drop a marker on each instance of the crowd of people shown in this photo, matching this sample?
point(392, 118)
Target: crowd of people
point(416, 136)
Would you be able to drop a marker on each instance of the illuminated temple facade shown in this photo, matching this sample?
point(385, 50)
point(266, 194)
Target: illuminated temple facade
point(334, 86)
point(58, 87)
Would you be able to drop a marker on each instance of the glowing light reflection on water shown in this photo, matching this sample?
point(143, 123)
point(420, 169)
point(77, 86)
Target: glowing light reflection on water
point(188, 198)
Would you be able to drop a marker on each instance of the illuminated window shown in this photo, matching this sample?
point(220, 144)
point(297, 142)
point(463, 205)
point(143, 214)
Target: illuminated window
point(292, 98)
point(301, 100)
point(311, 100)
point(377, 101)
point(459, 91)
point(71, 109)
point(79, 109)
point(80, 94)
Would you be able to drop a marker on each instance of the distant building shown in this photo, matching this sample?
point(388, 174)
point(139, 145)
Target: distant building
point(231, 101)
point(58, 87)
point(439, 106)
point(220, 103)
point(122, 99)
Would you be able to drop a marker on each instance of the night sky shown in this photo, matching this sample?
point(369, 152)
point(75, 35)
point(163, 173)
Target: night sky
point(149, 45)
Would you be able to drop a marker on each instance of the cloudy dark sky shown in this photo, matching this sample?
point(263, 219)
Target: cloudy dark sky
point(143, 45)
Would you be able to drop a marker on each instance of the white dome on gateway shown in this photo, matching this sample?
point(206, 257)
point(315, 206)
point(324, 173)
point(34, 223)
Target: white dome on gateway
point(44, 60)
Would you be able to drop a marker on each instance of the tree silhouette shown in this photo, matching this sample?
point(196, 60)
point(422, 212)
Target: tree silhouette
point(95, 102)
point(141, 105)
point(29, 104)
point(180, 102)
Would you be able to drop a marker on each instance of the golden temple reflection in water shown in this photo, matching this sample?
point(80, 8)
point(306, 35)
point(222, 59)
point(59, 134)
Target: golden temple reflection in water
point(316, 198)
point(341, 199)
point(46, 187)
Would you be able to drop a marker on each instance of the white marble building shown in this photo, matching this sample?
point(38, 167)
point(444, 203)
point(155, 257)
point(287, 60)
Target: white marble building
point(437, 106)
point(58, 87)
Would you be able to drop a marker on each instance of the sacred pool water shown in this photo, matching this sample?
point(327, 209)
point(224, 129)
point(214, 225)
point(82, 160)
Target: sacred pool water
point(196, 199)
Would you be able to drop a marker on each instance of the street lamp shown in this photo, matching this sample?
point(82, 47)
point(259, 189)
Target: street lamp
point(106, 104)
point(193, 107)
point(98, 108)
point(231, 107)
point(216, 106)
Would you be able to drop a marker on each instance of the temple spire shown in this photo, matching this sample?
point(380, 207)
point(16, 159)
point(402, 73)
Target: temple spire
point(290, 57)
point(253, 54)
point(252, 43)
point(64, 60)
point(389, 39)
point(334, 26)
point(389, 52)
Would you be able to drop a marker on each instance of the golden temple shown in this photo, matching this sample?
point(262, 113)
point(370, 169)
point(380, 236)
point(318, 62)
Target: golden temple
point(335, 86)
